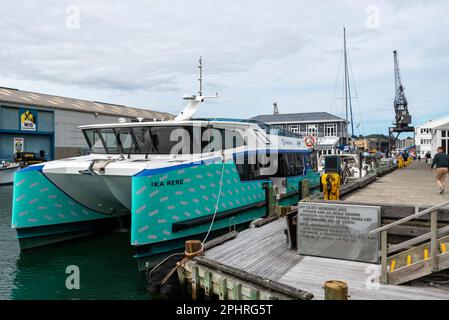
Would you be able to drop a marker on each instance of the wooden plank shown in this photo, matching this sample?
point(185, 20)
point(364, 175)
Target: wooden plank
point(263, 252)
point(222, 284)
point(272, 285)
point(220, 240)
point(222, 288)
point(182, 280)
point(207, 284)
point(237, 291)
point(434, 241)
point(408, 231)
point(394, 210)
point(254, 294)
point(264, 221)
point(411, 217)
point(443, 260)
point(383, 256)
point(195, 283)
point(403, 245)
point(292, 236)
point(412, 272)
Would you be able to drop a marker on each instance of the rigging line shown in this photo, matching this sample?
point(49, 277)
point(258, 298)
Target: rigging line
point(343, 86)
point(356, 96)
point(335, 84)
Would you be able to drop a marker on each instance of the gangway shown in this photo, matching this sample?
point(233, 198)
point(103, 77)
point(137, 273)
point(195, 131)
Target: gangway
point(416, 257)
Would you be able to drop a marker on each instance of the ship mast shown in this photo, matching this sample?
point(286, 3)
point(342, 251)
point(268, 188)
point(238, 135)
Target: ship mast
point(200, 77)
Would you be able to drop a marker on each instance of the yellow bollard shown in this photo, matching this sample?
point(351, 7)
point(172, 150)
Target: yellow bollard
point(409, 260)
point(442, 247)
point(331, 186)
point(400, 163)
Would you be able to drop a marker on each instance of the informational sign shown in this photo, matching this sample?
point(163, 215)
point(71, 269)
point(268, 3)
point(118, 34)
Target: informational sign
point(28, 119)
point(19, 145)
point(338, 231)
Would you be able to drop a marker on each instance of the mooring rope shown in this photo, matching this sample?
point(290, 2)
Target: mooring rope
point(218, 200)
point(200, 251)
point(162, 262)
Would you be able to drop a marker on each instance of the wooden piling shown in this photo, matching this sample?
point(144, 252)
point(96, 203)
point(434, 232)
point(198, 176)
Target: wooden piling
point(335, 290)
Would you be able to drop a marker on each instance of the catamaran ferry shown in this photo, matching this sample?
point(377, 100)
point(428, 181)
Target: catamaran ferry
point(175, 180)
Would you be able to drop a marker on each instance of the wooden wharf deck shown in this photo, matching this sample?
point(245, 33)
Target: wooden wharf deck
point(258, 264)
point(263, 252)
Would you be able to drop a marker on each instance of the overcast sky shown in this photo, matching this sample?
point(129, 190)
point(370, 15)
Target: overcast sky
point(144, 54)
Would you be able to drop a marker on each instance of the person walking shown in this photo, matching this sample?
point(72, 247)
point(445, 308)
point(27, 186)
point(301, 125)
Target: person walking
point(428, 156)
point(441, 162)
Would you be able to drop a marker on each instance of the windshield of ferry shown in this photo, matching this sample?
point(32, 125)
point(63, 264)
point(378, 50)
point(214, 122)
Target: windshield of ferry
point(161, 140)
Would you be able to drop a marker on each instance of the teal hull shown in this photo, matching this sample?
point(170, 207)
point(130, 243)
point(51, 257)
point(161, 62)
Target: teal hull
point(169, 205)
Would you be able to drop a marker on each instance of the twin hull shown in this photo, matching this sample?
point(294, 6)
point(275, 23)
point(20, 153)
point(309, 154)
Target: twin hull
point(166, 204)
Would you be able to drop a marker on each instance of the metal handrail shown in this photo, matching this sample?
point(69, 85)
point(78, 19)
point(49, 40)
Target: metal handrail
point(413, 216)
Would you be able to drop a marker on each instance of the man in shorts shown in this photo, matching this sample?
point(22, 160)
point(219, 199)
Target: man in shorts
point(441, 162)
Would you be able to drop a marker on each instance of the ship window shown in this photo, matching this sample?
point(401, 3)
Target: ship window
point(290, 164)
point(232, 139)
point(313, 160)
point(126, 140)
point(248, 167)
point(281, 165)
point(94, 141)
point(110, 140)
point(162, 139)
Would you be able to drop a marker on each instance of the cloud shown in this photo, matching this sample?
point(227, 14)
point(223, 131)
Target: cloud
point(145, 53)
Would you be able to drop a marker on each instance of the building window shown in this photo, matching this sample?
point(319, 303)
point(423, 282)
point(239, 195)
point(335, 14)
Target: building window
point(330, 130)
point(294, 128)
point(445, 140)
point(312, 129)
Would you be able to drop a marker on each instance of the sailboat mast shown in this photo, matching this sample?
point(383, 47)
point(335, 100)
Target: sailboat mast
point(346, 72)
point(348, 102)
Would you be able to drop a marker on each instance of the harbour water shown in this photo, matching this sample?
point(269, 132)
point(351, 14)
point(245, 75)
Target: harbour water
point(107, 268)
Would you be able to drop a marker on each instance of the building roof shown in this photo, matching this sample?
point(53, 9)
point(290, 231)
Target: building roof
point(433, 124)
point(10, 95)
point(297, 117)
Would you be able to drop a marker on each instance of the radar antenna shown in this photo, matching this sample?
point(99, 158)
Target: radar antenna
point(192, 105)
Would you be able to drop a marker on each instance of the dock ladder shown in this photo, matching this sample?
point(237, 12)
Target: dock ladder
point(416, 257)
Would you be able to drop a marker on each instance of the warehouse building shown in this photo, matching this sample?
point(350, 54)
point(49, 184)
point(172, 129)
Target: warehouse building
point(48, 125)
point(431, 135)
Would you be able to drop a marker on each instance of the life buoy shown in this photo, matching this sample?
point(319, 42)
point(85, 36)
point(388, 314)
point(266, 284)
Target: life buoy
point(310, 141)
